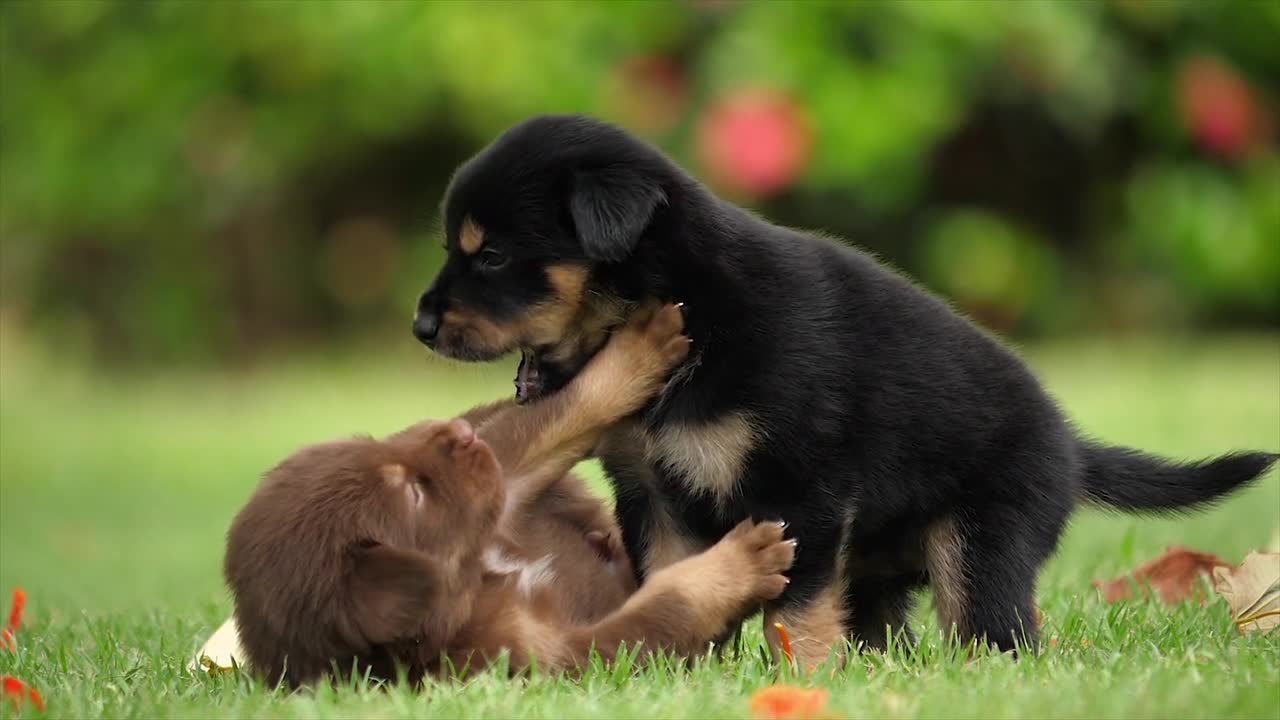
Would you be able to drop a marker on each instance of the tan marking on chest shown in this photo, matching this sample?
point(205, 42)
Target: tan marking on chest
point(662, 543)
point(708, 458)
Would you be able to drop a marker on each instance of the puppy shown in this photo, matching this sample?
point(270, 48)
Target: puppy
point(904, 445)
point(426, 552)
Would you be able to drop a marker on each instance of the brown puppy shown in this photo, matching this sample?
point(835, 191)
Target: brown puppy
point(371, 555)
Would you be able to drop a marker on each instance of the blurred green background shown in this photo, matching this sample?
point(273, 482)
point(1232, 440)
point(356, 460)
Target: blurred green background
point(215, 218)
point(200, 182)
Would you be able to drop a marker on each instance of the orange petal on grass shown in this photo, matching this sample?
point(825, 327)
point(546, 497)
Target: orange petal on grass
point(787, 702)
point(18, 691)
point(785, 639)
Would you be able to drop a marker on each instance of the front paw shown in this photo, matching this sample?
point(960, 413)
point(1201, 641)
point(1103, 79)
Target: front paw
point(654, 339)
point(634, 365)
point(762, 555)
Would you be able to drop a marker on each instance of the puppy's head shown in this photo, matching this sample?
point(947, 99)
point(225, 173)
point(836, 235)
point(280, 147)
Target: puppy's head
point(349, 548)
point(540, 229)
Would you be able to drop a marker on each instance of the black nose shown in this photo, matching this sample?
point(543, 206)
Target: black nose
point(425, 327)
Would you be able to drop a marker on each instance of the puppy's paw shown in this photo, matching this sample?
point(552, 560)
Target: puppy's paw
point(636, 362)
point(764, 555)
point(654, 336)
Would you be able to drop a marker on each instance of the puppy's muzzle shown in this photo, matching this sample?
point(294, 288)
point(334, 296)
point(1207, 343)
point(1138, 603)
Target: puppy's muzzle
point(425, 327)
point(426, 323)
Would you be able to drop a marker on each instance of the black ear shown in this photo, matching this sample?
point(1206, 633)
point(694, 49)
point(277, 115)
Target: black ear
point(611, 207)
point(392, 591)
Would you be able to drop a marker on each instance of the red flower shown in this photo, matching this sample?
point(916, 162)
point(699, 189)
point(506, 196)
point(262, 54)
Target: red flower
point(18, 692)
point(15, 619)
point(755, 142)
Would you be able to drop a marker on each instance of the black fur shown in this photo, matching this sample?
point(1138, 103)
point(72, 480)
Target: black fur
point(883, 411)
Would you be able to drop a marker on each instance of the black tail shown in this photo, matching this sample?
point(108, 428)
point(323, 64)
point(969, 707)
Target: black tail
point(1132, 480)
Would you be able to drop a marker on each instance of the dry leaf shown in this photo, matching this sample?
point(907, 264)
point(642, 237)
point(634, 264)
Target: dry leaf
point(1174, 576)
point(1252, 590)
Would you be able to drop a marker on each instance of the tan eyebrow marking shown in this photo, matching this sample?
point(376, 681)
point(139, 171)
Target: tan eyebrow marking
point(470, 237)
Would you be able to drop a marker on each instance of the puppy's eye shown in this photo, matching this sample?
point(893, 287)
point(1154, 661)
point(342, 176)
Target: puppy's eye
point(492, 258)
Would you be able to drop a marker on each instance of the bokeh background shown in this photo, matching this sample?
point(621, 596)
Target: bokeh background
point(197, 181)
point(215, 218)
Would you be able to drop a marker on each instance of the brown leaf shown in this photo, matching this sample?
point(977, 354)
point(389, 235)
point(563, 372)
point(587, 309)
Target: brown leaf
point(1173, 576)
point(1252, 590)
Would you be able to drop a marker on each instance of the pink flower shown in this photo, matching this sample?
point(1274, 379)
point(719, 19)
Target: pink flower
point(754, 142)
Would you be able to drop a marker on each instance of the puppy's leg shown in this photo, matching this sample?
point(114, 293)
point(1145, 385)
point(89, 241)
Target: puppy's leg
point(878, 609)
point(686, 606)
point(813, 610)
point(983, 574)
point(481, 414)
point(536, 444)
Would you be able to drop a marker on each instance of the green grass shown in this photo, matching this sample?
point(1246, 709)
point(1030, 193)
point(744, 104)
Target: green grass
point(115, 493)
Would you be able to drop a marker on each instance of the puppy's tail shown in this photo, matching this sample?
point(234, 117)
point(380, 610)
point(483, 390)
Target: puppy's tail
point(1134, 481)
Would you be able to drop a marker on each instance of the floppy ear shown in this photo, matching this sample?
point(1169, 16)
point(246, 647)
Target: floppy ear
point(611, 207)
point(392, 591)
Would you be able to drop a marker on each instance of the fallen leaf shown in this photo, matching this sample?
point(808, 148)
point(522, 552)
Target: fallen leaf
point(19, 692)
point(1174, 576)
point(1252, 590)
point(787, 702)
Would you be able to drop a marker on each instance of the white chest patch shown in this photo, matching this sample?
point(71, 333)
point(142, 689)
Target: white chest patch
point(709, 457)
point(532, 575)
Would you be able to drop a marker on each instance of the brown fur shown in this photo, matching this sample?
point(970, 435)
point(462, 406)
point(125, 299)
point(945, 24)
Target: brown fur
point(430, 544)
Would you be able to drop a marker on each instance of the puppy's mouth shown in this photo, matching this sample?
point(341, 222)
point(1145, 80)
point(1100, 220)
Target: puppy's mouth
point(538, 376)
point(528, 377)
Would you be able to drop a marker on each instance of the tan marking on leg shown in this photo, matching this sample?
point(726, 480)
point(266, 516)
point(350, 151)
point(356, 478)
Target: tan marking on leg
point(944, 559)
point(664, 544)
point(470, 236)
point(708, 457)
point(814, 629)
point(820, 627)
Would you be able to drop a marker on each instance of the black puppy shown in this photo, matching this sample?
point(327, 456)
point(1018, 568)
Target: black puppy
point(903, 444)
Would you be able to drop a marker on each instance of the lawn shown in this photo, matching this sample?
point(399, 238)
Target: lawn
point(115, 493)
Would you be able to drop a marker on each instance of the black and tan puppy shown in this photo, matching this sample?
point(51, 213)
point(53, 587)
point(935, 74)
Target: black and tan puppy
point(448, 542)
point(903, 444)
